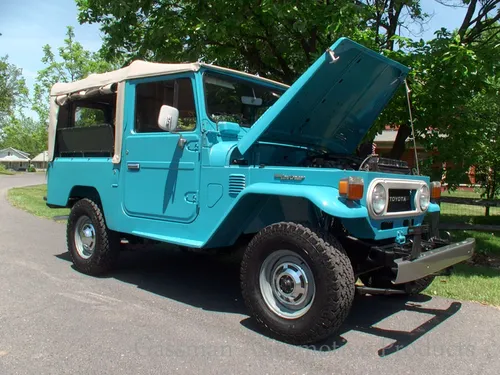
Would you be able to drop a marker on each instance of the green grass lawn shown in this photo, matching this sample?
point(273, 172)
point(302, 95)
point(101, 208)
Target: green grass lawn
point(488, 243)
point(30, 198)
point(472, 283)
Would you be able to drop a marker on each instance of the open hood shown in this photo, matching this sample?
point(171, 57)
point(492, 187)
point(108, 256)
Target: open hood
point(334, 103)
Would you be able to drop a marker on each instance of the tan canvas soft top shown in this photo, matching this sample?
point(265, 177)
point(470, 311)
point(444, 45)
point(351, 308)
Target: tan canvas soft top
point(102, 81)
point(137, 69)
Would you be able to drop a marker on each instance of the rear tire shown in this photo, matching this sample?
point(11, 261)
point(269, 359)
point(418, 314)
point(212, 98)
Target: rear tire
point(93, 247)
point(297, 286)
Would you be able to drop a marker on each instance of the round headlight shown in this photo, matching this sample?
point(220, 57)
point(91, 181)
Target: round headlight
point(379, 199)
point(424, 197)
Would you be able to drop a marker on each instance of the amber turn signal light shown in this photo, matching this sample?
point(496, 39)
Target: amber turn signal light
point(351, 188)
point(435, 190)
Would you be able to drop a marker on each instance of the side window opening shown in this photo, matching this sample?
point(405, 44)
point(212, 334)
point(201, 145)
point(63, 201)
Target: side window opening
point(88, 116)
point(151, 96)
point(85, 127)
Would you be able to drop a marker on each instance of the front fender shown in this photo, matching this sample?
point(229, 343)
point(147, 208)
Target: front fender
point(325, 198)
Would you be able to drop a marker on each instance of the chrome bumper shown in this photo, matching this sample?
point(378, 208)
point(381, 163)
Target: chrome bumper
point(432, 261)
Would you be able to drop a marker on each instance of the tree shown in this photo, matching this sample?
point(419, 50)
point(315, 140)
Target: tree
point(385, 17)
point(480, 20)
point(26, 134)
point(74, 63)
point(280, 40)
point(13, 91)
point(276, 39)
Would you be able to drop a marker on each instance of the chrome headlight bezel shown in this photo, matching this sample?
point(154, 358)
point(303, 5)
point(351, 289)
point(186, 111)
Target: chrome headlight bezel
point(424, 197)
point(379, 199)
point(395, 183)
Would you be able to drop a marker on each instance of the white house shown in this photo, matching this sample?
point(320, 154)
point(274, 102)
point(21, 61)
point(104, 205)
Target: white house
point(40, 161)
point(14, 159)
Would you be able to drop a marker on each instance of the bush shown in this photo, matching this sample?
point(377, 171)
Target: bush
point(31, 169)
point(4, 170)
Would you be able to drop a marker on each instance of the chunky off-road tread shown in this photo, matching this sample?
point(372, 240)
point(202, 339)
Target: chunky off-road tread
point(334, 278)
point(418, 286)
point(107, 246)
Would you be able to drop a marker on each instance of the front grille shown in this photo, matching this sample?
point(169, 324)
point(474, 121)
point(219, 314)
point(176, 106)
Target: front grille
point(400, 200)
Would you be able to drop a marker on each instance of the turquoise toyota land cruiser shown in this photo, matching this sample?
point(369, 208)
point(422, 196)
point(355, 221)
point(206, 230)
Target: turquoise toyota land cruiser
point(206, 157)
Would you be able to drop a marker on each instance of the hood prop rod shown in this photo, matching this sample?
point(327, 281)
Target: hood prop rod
point(412, 127)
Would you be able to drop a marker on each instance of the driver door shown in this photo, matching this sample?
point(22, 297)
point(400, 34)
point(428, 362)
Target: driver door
point(161, 176)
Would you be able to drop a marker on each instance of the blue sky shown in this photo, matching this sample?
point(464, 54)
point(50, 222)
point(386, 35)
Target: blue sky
point(26, 25)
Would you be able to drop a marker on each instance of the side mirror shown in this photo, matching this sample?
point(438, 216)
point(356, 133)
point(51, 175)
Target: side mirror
point(168, 117)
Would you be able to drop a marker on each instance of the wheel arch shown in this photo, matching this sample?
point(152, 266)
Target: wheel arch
point(258, 208)
point(78, 192)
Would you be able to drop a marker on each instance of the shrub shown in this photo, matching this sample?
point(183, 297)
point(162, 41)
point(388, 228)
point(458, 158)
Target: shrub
point(4, 170)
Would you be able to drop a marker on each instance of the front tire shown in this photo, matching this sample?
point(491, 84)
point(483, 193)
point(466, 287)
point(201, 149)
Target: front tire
point(297, 283)
point(92, 246)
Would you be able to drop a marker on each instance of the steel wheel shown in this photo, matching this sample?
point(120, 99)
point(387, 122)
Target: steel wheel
point(85, 237)
point(287, 284)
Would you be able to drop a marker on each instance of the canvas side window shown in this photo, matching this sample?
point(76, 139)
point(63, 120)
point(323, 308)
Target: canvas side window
point(151, 96)
point(85, 116)
point(85, 127)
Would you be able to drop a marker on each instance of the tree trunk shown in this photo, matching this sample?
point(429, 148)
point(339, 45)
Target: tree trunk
point(399, 146)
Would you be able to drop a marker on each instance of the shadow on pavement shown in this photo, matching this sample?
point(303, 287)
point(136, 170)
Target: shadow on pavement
point(212, 283)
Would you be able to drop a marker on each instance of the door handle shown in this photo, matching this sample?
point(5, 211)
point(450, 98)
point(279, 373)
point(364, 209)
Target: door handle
point(133, 166)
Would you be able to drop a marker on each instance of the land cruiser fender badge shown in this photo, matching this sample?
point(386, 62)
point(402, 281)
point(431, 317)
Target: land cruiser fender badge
point(284, 177)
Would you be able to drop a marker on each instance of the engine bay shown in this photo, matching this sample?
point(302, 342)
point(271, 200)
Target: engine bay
point(371, 163)
point(274, 155)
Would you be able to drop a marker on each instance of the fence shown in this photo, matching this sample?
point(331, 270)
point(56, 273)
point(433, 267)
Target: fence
point(470, 214)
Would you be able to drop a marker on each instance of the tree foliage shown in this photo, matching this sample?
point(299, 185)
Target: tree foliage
point(13, 91)
point(453, 79)
point(26, 134)
point(72, 63)
point(277, 39)
point(451, 75)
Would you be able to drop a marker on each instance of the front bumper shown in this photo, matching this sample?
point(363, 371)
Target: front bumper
point(432, 261)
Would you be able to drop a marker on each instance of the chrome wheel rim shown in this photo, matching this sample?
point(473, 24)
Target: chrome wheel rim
point(85, 237)
point(287, 284)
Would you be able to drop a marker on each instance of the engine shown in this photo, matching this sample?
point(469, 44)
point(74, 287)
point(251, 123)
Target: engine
point(372, 163)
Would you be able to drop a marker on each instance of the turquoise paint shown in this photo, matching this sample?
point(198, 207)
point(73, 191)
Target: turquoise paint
point(331, 105)
point(195, 197)
point(400, 238)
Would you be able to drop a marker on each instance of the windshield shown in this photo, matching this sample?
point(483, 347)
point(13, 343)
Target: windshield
point(237, 100)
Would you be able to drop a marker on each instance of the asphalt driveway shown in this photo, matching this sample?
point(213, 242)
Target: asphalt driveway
point(166, 312)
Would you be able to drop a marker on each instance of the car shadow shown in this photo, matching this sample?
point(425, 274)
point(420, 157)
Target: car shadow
point(368, 311)
point(212, 283)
